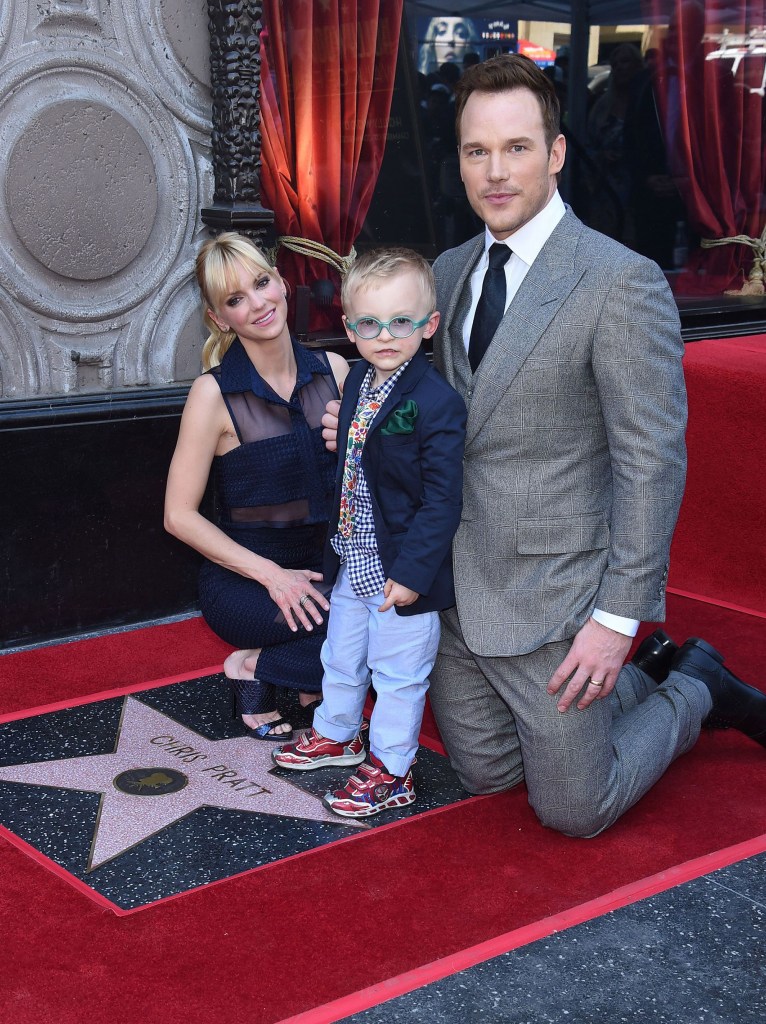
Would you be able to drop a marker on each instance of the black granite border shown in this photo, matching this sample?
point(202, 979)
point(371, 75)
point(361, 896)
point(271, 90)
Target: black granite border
point(208, 845)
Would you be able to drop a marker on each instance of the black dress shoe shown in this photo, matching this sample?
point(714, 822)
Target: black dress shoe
point(735, 704)
point(654, 655)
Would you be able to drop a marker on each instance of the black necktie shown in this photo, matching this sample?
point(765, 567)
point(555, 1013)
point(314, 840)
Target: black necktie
point(491, 307)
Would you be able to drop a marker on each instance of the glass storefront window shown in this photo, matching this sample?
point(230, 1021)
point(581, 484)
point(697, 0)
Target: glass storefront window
point(668, 156)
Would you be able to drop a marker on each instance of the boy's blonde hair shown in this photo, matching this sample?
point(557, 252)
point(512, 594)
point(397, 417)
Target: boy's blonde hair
point(379, 264)
point(218, 262)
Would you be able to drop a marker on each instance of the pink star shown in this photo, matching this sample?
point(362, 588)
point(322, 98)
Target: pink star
point(142, 782)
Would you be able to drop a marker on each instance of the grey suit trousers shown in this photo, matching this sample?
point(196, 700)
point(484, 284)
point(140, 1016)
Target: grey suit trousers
point(583, 769)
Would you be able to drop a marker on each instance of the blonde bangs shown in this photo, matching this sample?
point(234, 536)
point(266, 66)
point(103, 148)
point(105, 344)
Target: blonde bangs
point(378, 264)
point(219, 262)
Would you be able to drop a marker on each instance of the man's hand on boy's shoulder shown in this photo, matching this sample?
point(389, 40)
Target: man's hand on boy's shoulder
point(397, 595)
point(330, 425)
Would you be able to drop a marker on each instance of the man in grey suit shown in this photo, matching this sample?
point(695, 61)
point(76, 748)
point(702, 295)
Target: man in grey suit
point(566, 347)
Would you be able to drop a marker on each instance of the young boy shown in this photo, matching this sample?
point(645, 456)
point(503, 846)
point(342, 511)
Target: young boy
point(397, 505)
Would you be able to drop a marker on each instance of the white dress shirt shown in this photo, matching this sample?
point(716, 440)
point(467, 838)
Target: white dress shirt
point(525, 245)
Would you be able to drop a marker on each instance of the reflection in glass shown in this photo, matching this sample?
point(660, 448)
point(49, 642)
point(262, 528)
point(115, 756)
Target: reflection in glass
point(446, 40)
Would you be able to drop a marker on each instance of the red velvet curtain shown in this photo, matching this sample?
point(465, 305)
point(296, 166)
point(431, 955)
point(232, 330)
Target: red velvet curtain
point(327, 79)
point(713, 114)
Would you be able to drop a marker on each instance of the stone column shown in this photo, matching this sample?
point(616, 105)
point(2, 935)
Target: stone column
point(235, 66)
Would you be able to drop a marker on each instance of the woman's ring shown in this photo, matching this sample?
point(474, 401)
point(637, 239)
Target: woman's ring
point(597, 682)
point(303, 600)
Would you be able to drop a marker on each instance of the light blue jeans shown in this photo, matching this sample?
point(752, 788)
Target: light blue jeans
point(397, 651)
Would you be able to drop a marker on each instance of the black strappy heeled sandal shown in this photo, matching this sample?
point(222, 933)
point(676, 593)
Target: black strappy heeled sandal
point(252, 697)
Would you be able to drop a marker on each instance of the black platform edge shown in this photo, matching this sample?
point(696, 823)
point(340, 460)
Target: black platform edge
point(94, 634)
point(705, 319)
point(94, 407)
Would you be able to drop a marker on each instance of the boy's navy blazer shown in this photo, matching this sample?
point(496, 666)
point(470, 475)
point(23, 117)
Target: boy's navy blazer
point(415, 480)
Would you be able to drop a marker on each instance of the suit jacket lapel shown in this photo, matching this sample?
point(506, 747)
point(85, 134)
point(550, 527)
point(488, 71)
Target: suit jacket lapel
point(550, 280)
point(348, 407)
point(454, 358)
point(406, 382)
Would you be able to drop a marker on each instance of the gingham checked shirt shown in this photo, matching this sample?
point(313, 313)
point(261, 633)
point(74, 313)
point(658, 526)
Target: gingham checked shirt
point(360, 550)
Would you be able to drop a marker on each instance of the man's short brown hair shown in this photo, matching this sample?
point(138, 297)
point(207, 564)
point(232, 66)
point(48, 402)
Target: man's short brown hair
point(504, 74)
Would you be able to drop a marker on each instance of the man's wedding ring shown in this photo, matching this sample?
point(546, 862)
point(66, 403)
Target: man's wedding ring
point(303, 600)
point(597, 682)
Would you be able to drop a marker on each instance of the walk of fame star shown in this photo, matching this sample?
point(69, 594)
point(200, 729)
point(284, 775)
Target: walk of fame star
point(161, 771)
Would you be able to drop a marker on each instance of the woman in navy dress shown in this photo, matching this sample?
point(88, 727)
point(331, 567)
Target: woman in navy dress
point(254, 416)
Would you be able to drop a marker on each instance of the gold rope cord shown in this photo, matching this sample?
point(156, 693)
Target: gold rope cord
point(307, 247)
point(755, 280)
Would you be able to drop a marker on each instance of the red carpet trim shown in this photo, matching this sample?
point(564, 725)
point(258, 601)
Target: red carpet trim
point(716, 603)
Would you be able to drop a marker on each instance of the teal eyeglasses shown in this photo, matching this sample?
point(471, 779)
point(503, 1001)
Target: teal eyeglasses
point(367, 327)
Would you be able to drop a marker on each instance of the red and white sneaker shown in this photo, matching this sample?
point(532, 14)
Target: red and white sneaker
point(315, 751)
point(371, 791)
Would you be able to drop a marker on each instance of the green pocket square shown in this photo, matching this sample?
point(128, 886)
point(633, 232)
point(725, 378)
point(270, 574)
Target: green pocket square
point(401, 420)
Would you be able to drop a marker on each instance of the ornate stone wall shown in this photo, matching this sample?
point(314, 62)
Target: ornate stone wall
point(104, 165)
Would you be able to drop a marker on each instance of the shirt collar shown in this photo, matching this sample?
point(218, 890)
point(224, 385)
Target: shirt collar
point(382, 390)
point(527, 242)
point(238, 373)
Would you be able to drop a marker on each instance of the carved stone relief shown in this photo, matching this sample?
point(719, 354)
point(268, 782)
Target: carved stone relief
point(171, 46)
point(68, 16)
point(18, 362)
point(80, 168)
point(104, 163)
point(5, 26)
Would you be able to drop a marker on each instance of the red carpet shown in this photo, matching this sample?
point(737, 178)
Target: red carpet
point(47, 675)
point(718, 550)
point(266, 945)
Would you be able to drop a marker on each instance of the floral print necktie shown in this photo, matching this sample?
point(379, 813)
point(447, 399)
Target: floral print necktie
point(365, 413)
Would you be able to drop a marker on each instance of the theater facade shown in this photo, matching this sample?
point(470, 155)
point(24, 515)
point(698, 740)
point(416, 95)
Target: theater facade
point(322, 127)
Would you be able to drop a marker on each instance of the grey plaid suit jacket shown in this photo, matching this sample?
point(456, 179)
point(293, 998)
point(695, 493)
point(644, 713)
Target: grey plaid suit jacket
point(575, 459)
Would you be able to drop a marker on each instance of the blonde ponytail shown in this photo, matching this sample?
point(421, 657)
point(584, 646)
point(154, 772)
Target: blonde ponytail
point(217, 344)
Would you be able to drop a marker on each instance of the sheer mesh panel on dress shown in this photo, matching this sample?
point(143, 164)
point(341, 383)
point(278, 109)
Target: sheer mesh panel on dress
point(285, 440)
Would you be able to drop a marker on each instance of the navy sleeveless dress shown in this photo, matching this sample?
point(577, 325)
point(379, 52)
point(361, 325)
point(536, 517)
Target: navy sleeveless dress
point(273, 494)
